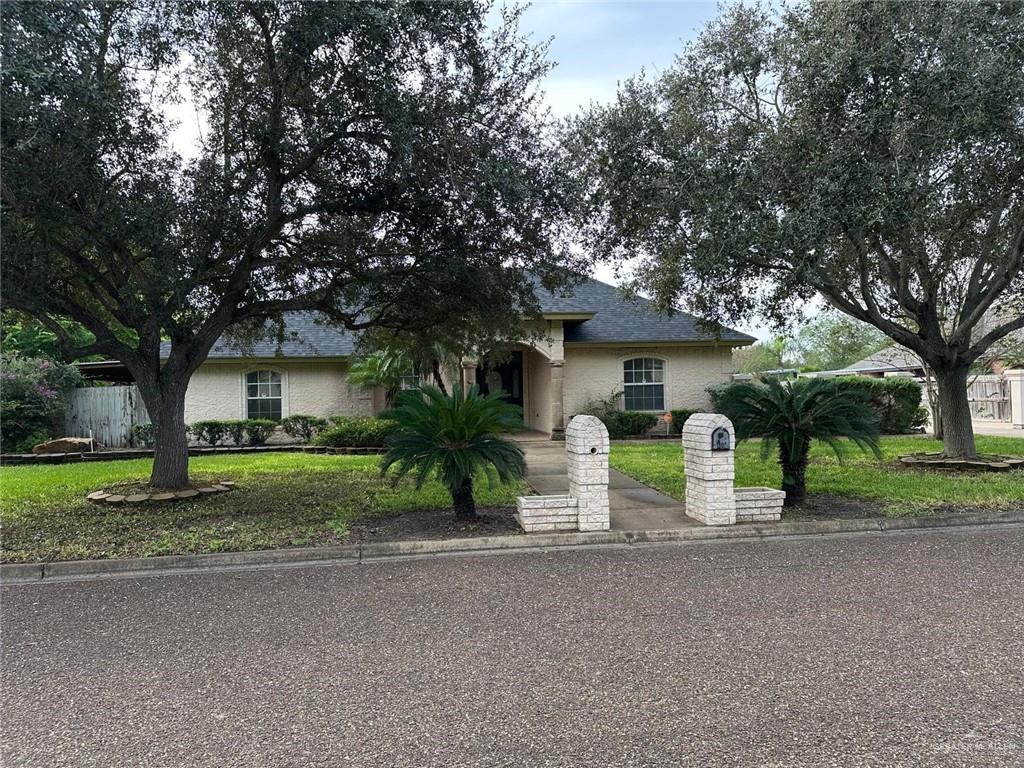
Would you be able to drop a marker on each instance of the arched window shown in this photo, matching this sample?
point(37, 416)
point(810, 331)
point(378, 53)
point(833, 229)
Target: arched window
point(263, 395)
point(643, 384)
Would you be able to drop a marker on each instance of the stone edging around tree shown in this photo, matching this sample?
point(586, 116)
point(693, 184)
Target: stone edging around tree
point(147, 453)
point(105, 497)
point(981, 464)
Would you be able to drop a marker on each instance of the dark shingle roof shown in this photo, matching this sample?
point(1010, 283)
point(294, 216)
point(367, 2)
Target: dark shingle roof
point(303, 337)
point(619, 319)
point(615, 319)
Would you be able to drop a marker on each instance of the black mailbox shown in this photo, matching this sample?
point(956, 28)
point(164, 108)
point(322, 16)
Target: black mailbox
point(720, 439)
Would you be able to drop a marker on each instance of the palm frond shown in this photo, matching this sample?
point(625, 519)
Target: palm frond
point(453, 437)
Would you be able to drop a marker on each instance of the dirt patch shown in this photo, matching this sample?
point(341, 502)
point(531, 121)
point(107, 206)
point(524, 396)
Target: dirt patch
point(825, 507)
point(433, 524)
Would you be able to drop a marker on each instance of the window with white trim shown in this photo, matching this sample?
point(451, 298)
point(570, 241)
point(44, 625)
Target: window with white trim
point(643, 384)
point(410, 379)
point(263, 395)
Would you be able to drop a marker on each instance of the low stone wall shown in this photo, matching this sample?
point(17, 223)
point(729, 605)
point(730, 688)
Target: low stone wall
point(758, 505)
point(585, 507)
point(546, 513)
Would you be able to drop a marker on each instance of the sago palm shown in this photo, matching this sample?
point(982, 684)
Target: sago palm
point(454, 437)
point(383, 368)
point(792, 414)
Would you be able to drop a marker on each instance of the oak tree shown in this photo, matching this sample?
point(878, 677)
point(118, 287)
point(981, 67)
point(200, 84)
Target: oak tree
point(383, 163)
point(871, 153)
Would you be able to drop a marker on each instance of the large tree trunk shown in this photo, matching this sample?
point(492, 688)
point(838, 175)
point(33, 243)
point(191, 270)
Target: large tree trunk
point(794, 474)
point(465, 506)
point(435, 367)
point(955, 412)
point(166, 406)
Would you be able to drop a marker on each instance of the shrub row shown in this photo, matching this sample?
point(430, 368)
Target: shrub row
point(679, 417)
point(619, 423)
point(339, 432)
point(350, 432)
point(896, 401)
point(215, 432)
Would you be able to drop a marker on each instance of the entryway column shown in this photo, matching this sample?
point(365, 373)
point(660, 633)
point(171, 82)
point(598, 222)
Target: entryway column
point(557, 409)
point(1016, 379)
point(468, 373)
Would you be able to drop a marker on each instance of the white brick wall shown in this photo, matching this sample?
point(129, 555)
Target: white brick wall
point(597, 371)
point(759, 505)
point(546, 513)
point(586, 508)
point(216, 390)
point(586, 452)
point(710, 496)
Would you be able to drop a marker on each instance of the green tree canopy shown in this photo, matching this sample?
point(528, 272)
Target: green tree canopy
point(762, 356)
point(872, 153)
point(832, 341)
point(382, 162)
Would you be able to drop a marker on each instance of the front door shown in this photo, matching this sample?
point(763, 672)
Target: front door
point(506, 376)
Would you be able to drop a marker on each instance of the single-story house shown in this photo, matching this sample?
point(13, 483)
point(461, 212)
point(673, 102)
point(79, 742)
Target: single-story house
point(591, 343)
point(893, 360)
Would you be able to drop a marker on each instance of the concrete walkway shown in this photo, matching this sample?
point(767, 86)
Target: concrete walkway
point(997, 429)
point(634, 506)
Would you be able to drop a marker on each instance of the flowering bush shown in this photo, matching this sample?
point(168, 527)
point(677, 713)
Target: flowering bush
point(33, 398)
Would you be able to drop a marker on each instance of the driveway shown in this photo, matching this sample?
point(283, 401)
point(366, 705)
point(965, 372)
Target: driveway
point(633, 506)
point(872, 650)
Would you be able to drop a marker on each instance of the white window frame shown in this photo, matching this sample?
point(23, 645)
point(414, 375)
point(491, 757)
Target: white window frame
point(245, 388)
point(666, 405)
point(410, 380)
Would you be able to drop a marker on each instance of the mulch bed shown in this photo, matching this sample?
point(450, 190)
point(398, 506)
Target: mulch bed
point(825, 507)
point(433, 524)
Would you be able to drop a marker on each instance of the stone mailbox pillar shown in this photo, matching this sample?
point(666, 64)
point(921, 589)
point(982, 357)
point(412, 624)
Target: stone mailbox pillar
point(709, 444)
point(586, 453)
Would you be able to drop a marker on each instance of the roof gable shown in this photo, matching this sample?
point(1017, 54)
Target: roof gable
point(618, 318)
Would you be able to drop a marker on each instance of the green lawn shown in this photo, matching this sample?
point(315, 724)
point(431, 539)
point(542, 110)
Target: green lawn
point(902, 490)
point(282, 500)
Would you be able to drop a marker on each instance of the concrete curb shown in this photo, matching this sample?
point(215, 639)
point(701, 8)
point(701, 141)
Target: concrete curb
point(81, 570)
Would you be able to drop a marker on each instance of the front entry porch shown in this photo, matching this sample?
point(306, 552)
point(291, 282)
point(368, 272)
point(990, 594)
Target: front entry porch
point(530, 379)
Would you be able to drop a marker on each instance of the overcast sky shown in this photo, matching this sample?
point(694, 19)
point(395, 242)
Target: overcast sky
point(596, 45)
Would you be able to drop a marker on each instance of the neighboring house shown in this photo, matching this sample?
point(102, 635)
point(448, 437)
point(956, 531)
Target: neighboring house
point(594, 342)
point(890, 361)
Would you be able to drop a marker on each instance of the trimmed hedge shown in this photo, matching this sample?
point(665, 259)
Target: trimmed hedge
point(349, 432)
point(214, 431)
point(144, 435)
point(210, 431)
point(628, 423)
point(258, 430)
point(302, 426)
point(896, 401)
point(679, 417)
point(619, 423)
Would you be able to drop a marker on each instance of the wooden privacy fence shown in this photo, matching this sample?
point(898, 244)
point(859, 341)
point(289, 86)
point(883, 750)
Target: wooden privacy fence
point(107, 414)
point(989, 397)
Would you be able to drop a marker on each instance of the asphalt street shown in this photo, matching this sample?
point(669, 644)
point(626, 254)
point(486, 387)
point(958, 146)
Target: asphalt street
point(897, 649)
